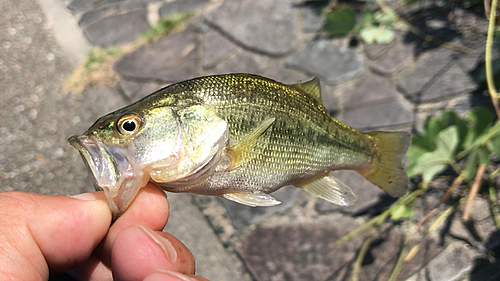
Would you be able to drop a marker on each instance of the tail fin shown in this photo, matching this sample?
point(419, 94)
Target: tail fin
point(386, 170)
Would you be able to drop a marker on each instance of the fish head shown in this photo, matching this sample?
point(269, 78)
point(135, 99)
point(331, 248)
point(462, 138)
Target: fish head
point(129, 147)
point(120, 146)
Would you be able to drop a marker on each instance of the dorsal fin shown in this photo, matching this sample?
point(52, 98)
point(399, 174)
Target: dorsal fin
point(312, 88)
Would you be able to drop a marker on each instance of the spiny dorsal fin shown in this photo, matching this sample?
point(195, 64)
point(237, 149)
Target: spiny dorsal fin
point(312, 88)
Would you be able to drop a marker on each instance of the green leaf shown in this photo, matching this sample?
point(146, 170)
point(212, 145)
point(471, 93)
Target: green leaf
point(471, 165)
point(384, 18)
point(369, 34)
point(432, 163)
point(402, 212)
point(385, 36)
point(414, 154)
point(340, 21)
point(484, 155)
point(480, 120)
point(494, 145)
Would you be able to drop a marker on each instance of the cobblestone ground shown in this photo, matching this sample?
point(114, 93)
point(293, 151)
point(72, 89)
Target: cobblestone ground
point(369, 87)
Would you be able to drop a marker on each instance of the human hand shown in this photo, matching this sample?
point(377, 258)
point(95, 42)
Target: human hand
point(44, 233)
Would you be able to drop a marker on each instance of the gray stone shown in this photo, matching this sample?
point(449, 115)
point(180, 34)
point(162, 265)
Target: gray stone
point(94, 15)
point(180, 6)
point(173, 58)
point(242, 216)
point(83, 5)
point(436, 77)
point(453, 81)
point(367, 195)
point(118, 29)
point(330, 99)
point(374, 104)
point(452, 264)
point(397, 58)
point(307, 252)
point(328, 60)
point(242, 62)
point(134, 91)
point(188, 224)
point(216, 48)
point(249, 23)
point(311, 17)
point(480, 228)
point(375, 51)
point(277, 71)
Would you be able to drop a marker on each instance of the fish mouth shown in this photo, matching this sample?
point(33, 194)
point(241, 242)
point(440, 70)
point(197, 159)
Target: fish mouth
point(112, 172)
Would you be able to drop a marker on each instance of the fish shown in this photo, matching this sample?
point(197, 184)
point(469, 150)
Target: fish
point(238, 136)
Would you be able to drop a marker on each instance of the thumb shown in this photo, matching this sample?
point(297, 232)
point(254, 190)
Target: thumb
point(39, 233)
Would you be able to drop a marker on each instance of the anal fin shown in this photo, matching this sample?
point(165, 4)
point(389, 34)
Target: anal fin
point(331, 189)
point(252, 199)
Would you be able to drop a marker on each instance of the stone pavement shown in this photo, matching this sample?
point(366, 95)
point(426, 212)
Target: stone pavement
point(390, 87)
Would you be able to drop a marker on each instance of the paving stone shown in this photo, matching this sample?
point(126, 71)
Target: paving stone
point(94, 15)
point(180, 6)
point(375, 51)
point(486, 268)
point(306, 252)
point(452, 264)
point(136, 90)
point(243, 62)
point(328, 60)
point(374, 104)
point(330, 99)
point(173, 58)
point(242, 216)
point(367, 195)
point(216, 48)
point(481, 227)
point(118, 29)
point(189, 225)
point(436, 77)
point(279, 72)
point(248, 22)
point(82, 5)
point(312, 20)
point(398, 57)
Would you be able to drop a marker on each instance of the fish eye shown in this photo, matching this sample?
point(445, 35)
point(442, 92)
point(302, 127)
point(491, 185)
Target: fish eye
point(128, 124)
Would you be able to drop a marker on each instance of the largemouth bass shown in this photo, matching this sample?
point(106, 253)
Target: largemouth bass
point(238, 136)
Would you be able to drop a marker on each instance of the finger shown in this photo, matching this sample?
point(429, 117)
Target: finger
point(139, 252)
point(42, 232)
point(150, 208)
point(165, 275)
point(92, 269)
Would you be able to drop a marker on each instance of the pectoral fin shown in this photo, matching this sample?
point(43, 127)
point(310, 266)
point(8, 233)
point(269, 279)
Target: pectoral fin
point(238, 151)
point(331, 189)
point(252, 199)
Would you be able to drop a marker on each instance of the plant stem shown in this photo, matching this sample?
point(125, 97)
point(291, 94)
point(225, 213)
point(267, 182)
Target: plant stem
point(489, 71)
point(378, 220)
point(362, 254)
point(402, 254)
point(494, 206)
point(474, 189)
point(455, 183)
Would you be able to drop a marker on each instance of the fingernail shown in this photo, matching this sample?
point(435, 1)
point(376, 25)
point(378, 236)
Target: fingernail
point(164, 244)
point(166, 275)
point(85, 196)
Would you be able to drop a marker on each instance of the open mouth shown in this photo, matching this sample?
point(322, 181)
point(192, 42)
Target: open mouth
point(111, 170)
point(97, 160)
